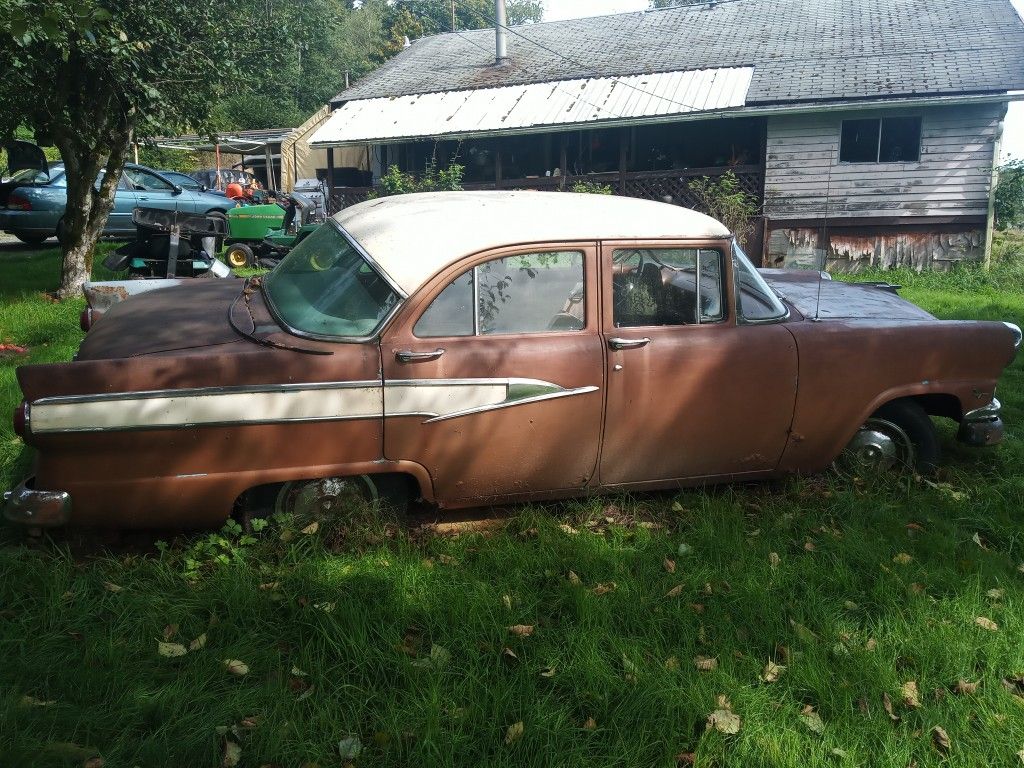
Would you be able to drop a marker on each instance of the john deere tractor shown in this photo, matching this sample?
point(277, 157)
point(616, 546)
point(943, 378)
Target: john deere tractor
point(258, 234)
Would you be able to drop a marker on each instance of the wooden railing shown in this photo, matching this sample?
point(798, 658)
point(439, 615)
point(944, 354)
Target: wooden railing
point(650, 185)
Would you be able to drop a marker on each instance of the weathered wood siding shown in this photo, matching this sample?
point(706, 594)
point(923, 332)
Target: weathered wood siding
point(805, 180)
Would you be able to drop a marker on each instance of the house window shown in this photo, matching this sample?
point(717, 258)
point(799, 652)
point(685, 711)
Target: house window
point(881, 140)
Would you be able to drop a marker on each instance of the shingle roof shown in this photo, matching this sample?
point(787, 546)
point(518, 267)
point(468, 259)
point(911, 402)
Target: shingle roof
point(801, 50)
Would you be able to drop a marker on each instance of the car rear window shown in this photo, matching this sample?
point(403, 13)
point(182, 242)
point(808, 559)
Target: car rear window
point(326, 288)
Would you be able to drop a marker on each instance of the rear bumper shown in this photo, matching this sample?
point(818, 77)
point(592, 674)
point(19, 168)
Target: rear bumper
point(27, 506)
point(982, 426)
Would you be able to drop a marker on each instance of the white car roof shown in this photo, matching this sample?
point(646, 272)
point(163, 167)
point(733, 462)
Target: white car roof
point(413, 237)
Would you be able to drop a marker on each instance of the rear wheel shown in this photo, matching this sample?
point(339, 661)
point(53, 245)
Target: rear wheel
point(898, 436)
point(28, 239)
point(239, 255)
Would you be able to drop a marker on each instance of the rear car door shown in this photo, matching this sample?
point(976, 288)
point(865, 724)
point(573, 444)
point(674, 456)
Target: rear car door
point(691, 392)
point(493, 375)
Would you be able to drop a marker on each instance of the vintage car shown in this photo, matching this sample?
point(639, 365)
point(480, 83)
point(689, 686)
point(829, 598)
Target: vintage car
point(476, 347)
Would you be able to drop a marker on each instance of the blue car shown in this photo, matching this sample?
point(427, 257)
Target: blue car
point(32, 201)
point(185, 181)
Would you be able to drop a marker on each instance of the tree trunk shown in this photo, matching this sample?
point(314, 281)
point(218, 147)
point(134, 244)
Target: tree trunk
point(88, 206)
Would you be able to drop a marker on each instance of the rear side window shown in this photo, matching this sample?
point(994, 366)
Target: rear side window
point(526, 293)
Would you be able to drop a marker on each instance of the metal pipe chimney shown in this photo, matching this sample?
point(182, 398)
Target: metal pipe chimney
point(500, 34)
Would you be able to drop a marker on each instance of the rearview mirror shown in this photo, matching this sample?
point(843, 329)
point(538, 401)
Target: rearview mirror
point(177, 190)
point(203, 188)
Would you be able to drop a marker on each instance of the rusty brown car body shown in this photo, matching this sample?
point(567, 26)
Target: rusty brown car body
point(493, 347)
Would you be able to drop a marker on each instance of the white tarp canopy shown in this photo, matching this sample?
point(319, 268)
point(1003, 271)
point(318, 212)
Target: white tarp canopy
point(534, 106)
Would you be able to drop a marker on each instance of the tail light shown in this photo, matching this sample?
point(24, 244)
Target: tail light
point(21, 419)
point(18, 202)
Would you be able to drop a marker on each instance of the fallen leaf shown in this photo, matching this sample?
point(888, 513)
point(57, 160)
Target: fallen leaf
point(809, 546)
point(802, 632)
point(871, 644)
point(199, 642)
point(965, 688)
point(940, 739)
point(568, 529)
point(686, 759)
point(671, 663)
point(509, 653)
point(170, 631)
point(171, 650)
point(573, 578)
point(447, 560)
point(697, 607)
point(507, 601)
point(232, 754)
point(812, 720)
point(771, 672)
point(628, 666)
point(988, 624)
point(548, 671)
point(911, 697)
point(976, 538)
point(590, 724)
point(270, 585)
point(311, 528)
point(725, 721)
point(774, 560)
point(996, 594)
point(32, 701)
point(438, 658)
point(94, 762)
point(521, 630)
point(669, 565)
point(887, 706)
point(676, 591)
point(684, 549)
point(350, 748)
point(677, 507)
point(842, 754)
point(1015, 685)
point(604, 588)
point(514, 732)
point(236, 667)
point(915, 527)
point(903, 558)
point(705, 663)
point(306, 693)
point(917, 588)
point(112, 587)
point(326, 607)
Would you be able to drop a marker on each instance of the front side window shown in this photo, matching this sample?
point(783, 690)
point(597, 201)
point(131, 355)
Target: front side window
point(666, 286)
point(324, 287)
point(755, 301)
point(146, 182)
point(526, 293)
point(881, 140)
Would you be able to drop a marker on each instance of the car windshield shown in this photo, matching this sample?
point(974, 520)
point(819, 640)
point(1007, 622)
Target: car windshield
point(325, 288)
point(755, 301)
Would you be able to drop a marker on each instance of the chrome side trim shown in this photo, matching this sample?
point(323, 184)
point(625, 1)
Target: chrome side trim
point(200, 391)
point(514, 401)
point(1017, 334)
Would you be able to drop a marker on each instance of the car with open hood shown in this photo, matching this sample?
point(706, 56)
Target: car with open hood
point(481, 347)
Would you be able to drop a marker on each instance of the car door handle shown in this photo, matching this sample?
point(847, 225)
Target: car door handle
point(616, 343)
point(407, 356)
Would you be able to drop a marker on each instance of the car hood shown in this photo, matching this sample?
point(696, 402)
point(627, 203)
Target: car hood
point(827, 299)
point(188, 316)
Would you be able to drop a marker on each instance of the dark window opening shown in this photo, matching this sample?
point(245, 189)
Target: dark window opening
point(881, 140)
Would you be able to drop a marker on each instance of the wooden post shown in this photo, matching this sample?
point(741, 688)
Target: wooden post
point(990, 218)
point(497, 164)
point(216, 151)
point(330, 179)
point(563, 161)
point(270, 166)
point(623, 158)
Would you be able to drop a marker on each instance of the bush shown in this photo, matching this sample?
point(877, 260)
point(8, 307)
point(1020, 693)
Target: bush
point(1009, 202)
point(725, 200)
point(397, 182)
point(591, 188)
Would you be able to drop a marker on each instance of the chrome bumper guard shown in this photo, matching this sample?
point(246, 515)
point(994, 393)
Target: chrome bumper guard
point(982, 426)
point(45, 509)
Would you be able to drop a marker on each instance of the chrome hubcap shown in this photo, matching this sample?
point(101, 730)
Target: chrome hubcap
point(326, 497)
point(879, 446)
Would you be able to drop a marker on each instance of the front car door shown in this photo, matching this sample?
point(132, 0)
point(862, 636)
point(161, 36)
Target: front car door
point(152, 191)
point(695, 389)
point(494, 375)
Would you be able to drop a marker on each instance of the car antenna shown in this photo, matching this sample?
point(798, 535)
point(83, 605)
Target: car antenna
point(824, 237)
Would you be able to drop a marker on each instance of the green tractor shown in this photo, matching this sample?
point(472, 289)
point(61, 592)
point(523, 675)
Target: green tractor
point(260, 235)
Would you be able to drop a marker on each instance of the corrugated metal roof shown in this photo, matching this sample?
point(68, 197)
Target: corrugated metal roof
point(520, 108)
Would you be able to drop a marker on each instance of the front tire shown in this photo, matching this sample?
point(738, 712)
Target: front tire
point(34, 240)
point(239, 256)
point(899, 436)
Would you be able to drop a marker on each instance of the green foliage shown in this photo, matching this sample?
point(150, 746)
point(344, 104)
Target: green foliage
point(722, 198)
point(1009, 203)
point(591, 188)
point(397, 182)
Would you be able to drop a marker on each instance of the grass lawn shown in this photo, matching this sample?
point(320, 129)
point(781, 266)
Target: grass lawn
point(818, 622)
